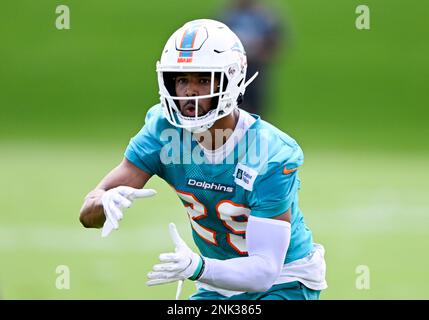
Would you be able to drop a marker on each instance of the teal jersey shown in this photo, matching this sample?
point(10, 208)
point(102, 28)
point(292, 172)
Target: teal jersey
point(259, 178)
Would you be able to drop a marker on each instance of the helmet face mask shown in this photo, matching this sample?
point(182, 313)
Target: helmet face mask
point(202, 46)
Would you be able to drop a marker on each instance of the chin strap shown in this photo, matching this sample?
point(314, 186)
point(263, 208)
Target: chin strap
point(251, 79)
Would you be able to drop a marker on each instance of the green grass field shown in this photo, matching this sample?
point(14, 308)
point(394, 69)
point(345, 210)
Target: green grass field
point(363, 208)
point(70, 100)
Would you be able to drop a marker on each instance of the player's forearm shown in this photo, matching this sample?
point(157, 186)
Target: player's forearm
point(267, 244)
point(249, 274)
point(92, 213)
point(125, 174)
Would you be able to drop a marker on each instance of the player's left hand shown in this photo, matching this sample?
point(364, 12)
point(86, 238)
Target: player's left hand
point(179, 265)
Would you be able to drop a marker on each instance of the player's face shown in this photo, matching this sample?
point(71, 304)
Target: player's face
point(194, 84)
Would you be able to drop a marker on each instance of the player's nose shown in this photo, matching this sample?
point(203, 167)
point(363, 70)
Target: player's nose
point(192, 89)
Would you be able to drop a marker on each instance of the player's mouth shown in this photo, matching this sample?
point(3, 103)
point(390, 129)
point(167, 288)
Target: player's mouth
point(188, 110)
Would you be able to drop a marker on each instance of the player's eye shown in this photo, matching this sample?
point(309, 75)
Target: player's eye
point(205, 81)
point(181, 81)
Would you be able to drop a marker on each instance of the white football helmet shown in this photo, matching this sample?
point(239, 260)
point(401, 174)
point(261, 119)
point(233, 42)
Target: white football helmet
point(203, 46)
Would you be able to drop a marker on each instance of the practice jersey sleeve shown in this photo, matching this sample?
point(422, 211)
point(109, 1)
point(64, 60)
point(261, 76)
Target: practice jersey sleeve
point(143, 149)
point(276, 190)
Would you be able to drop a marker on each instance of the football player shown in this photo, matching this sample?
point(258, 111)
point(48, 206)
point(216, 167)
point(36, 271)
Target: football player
point(236, 175)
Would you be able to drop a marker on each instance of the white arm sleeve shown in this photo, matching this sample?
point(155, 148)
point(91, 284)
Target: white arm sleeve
point(267, 243)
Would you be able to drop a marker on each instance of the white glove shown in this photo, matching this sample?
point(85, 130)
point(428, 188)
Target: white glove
point(114, 200)
point(183, 264)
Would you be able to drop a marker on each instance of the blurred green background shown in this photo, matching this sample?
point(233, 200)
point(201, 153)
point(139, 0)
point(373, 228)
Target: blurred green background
point(356, 101)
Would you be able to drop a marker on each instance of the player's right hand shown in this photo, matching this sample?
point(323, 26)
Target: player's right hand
point(114, 200)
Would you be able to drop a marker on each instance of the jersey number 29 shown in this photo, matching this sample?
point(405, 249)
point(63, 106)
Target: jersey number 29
point(227, 211)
